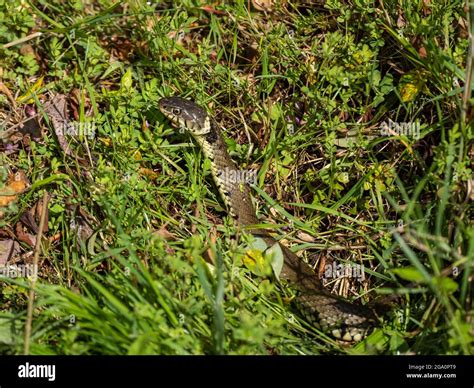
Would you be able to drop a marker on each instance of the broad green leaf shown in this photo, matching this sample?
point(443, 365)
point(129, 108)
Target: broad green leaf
point(447, 284)
point(263, 260)
point(409, 273)
point(277, 259)
point(126, 82)
point(257, 262)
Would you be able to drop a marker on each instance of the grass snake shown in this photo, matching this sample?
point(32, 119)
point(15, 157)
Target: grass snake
point(340, 318)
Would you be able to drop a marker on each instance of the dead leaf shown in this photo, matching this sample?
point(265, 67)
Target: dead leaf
point(164, 233)
point(28, 50)
point(426, 7)
point(464, 33)
point(263, 5)
point(149, 173)
point(208, 254)
point(305, 237)
point(401, 20)
point(422, 52)
point(17, 183)
point(6, 91)
point(24, 236)
point(322, 266)
point(57, 112)
point(31, 217)
point(8, 249)
point(28, 220)
point(209, 9)
point(58, 115)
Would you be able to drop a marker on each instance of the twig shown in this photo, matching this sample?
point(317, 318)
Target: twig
point(22, 40)
point(31, 295)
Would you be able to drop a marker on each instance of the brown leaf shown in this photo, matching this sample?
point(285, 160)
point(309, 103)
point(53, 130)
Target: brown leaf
point(28, 220)
point(422, 52)
point(164, 234)
point(8, 93)
point(464, 33)
point(17, 183)
point(27, 50)
point(306, 237)
point(57, 112)
point(23, 236)
point(426, 7)
point(322, 266)
point(208, 254)
point(263, 5)
point(209, 9)
point(401, 20)
point(8, 249)
point(58, 115)
point(31, 217)
point(149, 173)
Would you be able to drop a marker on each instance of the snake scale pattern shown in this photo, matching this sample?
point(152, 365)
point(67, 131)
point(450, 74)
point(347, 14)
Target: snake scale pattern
point(338, 317)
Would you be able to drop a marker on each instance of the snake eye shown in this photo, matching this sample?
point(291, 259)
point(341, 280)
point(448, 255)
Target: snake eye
point(176, 111)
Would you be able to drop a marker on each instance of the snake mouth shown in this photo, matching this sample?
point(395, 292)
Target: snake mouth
point(185, 114)
point(169, 110)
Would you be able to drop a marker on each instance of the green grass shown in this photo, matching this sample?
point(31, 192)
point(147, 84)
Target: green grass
point(302, 94)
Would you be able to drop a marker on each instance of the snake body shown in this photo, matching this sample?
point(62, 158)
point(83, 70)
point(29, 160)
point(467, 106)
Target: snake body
point(341, 319)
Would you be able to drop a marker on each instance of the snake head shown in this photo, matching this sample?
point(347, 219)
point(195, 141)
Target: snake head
point(187, 114)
